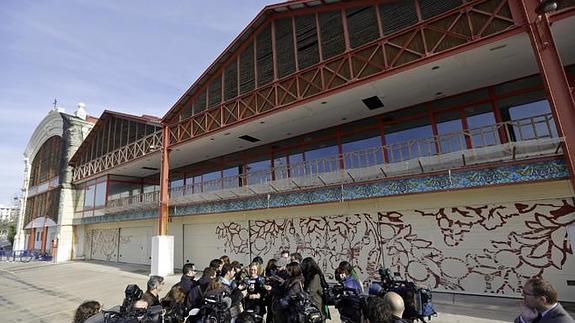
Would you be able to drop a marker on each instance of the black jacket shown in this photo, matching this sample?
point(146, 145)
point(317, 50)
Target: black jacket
point(195, 297)
point(151, 299)
point(187, 283)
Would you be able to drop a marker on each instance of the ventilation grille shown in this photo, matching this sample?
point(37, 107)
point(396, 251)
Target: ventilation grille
point(432, 8)
point(249, 138)
point(397, 16)
point(331, 30)
point(362, 26)
point(284, 47)
point(231, 80)
point(215, 94)
point(247, 74)
point(306, 35)
point(200, 103)
point(373, 103)
point(264, 54)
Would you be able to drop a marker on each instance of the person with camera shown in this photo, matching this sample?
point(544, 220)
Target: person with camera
point(345, 274)
point(217, 303)
point(195, 297)
point(350, 300)
point(315, 284)
point(237, 293)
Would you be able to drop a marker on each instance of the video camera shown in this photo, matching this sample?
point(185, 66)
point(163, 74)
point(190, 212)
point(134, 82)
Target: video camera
point(216, 308)
point(417, 300)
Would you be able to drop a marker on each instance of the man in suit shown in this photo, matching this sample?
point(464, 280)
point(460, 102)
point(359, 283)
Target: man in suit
point(540, 304)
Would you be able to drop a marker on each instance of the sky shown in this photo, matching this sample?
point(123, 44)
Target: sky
point(132, 56)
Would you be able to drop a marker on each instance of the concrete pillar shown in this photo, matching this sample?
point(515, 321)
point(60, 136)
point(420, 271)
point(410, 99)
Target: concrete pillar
point(162, 255)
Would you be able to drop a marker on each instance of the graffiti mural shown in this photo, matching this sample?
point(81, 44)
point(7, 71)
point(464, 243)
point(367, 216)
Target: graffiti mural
point(479, 249)
point(104, 244)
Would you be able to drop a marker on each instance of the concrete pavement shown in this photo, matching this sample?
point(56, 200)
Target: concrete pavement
point(45, 292)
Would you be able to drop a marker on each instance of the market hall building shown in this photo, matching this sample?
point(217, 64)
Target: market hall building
point(432, 137)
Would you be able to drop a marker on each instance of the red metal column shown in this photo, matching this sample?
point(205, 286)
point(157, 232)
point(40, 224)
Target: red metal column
point(551, 69)
point(164, 182)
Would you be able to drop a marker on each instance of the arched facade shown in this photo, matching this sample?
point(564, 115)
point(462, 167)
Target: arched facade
point(46, 189)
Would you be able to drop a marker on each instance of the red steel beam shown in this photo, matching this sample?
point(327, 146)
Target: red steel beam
point(553, 75)
point(164, 183)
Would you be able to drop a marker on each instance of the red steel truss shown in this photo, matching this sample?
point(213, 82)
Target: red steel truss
point(556, 84)
point(470, 23)
point(137, 149)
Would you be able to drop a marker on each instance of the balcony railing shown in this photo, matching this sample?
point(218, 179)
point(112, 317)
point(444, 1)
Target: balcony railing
point(124, 154)
point(527, 138)
point(144, 200)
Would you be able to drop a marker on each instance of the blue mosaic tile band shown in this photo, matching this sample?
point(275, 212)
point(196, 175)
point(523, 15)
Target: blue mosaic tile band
point(507, 174)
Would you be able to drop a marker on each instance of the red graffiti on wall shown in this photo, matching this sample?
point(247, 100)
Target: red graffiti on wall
point(519, 241)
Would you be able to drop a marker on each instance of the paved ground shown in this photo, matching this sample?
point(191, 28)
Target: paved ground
point(44, 292)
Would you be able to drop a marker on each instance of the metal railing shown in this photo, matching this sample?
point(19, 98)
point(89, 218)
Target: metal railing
point(139, 199)
point(146, 145)
point(521, 130)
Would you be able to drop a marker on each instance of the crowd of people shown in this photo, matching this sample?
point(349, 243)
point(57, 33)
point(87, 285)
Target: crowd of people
point(290, 289)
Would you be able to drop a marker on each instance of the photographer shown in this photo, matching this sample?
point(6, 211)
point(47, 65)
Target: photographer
point(229, 285)
point(350, 298)
point(217, 303)
point(345, 274)
point(195, 298)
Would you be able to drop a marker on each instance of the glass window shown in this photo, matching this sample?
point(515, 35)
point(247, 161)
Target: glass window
point(532, 121)
point(100, 199)
point(89, 197)
point(258, 172)
point(409, 140)
point(151, 188)
point(481, 125)
point(212, 181)
point(322, 159)
point(197, 183)
point(450, 132)
point(79, 196)
point(281, 167)
point(177, 187)
point(231, 177)
point(118, 190)
point(362, 150)
point(296, 165)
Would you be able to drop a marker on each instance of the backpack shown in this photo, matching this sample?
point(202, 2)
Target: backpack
point(306, 311)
